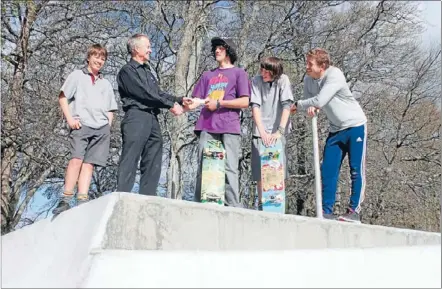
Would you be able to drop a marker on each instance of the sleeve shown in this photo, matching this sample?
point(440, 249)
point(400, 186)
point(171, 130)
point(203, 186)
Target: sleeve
point(69, 87)
point(199, 91)
point(285, 94)
point(306, 93)
point(255, 96)
point(171, 97)
point(133, 86)
point(243, 84)
point(112, 102)
point(333, 83)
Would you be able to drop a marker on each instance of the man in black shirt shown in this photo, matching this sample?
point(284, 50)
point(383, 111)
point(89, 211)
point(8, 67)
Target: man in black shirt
point(142, 98)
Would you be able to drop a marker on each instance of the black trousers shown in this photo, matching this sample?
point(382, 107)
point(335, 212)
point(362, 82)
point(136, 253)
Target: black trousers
point(142, 137)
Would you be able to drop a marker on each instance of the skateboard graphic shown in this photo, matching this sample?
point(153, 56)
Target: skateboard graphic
point(272, 177)
point(213, 173)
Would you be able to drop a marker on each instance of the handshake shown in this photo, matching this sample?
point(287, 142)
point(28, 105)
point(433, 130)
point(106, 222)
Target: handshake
point(192, 103)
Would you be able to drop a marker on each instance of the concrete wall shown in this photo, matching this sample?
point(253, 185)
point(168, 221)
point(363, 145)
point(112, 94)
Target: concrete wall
point(59, 252)
point(302, 268)
point(55, 253)
point(153, 223)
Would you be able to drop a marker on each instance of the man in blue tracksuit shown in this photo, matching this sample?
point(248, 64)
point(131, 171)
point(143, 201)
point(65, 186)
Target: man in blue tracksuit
point(325, 88)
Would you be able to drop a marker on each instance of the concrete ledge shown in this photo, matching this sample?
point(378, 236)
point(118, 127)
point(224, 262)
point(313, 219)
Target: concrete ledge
point(59, 252)
point(55, 253)
point(153, 223)
point(343, 268)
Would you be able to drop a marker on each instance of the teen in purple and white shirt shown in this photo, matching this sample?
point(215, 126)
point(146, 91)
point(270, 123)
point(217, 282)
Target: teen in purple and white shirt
point(226, 90)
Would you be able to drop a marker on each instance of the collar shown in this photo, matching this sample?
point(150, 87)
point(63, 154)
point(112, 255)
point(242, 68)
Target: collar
point(85, 71)
point(324, 75)
point(135, 64)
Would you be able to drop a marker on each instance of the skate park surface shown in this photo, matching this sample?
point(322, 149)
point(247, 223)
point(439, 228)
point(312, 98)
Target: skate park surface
point(135, 241)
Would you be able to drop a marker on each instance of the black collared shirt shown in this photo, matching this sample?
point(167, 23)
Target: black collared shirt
point(139, 89)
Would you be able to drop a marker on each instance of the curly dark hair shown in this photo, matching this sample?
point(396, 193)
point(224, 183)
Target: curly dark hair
point(230, 52)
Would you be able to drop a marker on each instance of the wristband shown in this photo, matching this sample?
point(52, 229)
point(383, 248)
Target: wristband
point(281, 130)
point(218, 105)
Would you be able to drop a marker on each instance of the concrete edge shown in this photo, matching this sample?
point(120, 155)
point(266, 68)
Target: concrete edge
point(97, 240)
point(249, 212)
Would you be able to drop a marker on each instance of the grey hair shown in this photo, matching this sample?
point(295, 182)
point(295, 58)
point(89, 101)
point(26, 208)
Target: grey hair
point(134, 41)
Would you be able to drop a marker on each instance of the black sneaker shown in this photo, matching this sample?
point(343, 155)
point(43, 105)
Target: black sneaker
point(62, 206)
point(350, 216)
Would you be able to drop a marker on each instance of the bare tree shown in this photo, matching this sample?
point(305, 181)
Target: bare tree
point(33, 32)
point(396, 82)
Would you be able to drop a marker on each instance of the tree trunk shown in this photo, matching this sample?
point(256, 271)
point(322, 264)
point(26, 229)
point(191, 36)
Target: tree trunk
point(247, 21)
point(12, 120)
point(185, 74)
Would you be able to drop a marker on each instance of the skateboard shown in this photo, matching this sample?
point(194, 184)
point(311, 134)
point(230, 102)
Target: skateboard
point(272, 178)
point(213, 179)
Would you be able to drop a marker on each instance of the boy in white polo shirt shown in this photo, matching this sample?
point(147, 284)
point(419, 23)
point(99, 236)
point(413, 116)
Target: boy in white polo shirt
point(88, 102)
point(271, 99)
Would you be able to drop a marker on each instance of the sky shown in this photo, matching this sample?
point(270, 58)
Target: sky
point(431, 14)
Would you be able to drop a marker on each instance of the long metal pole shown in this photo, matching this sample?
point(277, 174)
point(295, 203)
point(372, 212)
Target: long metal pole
point(318, 190)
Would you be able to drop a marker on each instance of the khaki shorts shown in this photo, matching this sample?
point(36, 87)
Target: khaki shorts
point(256, 160)
point(90, 144)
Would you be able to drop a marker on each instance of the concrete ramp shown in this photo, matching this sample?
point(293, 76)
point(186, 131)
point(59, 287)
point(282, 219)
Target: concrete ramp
point(90, 245)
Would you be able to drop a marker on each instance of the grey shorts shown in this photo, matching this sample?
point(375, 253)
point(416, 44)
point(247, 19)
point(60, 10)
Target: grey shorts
point(90, 144)
point(256, 160)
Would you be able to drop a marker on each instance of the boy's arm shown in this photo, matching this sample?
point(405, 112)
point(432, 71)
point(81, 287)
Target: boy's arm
point(256, 112)
point(241, 102)
point(113, 106)
point(286, 99)
point(63, 101)
point(110, 116)
point(68, 91)
point(255, 102)
point(285, 115)
point(332, 85)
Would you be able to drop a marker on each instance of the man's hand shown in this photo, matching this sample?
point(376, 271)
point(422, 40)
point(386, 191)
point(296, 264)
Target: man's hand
point(176, 109)
point(191, 103)
point(187, 101)
point(74, 122)
point(210, 104)
point(311, 111)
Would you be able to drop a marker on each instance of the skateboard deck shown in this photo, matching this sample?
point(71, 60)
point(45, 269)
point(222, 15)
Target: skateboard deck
point(213, 179)
point(272, 177)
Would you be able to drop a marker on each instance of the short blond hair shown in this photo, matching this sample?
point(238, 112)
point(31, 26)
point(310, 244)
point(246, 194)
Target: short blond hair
point(97, 50)
point(321, 56)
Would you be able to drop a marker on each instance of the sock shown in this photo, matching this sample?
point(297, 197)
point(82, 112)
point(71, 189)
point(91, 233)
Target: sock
point(82, 197)
point(67, 194)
